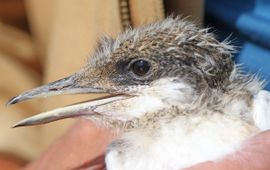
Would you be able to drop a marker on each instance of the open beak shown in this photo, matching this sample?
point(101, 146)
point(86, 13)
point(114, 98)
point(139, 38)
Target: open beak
point(64, 86)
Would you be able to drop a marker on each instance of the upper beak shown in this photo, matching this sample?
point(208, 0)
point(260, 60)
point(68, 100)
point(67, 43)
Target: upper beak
point(63, 86)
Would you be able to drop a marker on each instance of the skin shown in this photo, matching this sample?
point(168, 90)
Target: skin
point(74, 150)
point(10, 162)
point(254, 155)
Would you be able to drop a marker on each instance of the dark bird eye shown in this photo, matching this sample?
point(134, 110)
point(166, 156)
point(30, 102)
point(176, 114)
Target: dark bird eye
point(140, 67)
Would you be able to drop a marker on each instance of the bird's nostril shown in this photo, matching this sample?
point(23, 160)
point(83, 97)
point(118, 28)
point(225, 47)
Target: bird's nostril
point(58, 88)
point(53, 89)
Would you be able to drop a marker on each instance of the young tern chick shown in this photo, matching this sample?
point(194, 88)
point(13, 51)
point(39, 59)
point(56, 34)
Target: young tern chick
point(174, 91)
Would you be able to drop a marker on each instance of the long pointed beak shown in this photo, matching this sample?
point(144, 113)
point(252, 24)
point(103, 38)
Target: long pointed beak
point(77, 110)
point(64, 86)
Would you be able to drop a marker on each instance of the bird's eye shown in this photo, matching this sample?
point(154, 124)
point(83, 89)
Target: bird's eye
point(140, 67)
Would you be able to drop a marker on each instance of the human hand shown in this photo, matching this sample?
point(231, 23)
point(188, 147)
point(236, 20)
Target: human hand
point(254, 155)
point(10, 162)
point(79, 147)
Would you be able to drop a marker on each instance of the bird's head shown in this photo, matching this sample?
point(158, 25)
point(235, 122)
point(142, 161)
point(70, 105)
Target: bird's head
point(159, 66)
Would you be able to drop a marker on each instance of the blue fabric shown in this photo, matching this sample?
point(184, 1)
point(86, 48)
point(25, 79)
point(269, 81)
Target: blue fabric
point(248, 23)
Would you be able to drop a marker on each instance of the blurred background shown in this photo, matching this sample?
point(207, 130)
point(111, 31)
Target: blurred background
point(45, 40)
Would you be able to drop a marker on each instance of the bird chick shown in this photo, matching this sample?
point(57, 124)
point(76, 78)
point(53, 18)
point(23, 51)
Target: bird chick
point(174, 92)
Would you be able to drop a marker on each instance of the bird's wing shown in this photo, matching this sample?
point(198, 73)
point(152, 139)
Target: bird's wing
point(261, 110)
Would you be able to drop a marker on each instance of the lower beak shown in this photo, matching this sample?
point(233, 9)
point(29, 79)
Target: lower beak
point(64, 86)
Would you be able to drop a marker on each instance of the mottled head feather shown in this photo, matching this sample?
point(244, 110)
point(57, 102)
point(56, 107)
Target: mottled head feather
point(177, 48)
